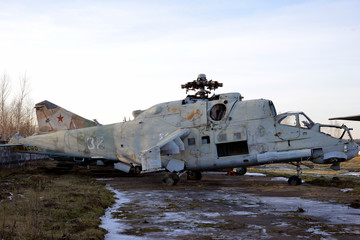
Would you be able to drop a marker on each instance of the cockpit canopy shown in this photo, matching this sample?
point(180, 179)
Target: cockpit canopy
point(300, 120)
point(295, 119)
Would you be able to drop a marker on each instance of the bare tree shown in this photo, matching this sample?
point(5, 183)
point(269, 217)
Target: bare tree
point(4, 109)
point(28, 125)
point(19, 115)
point(18, 105)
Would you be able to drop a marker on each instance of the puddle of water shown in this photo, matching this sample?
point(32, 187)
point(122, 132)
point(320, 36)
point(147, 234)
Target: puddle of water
point(332, 212)
point(112, 225)
point(200, 210)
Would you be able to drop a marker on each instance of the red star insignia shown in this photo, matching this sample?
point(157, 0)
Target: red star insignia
point(60, 118)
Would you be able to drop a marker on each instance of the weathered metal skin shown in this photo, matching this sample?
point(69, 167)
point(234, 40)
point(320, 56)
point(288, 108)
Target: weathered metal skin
point(216, 133)
point(52, 118)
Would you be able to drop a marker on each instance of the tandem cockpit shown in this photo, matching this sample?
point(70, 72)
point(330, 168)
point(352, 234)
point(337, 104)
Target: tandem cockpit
point(301, 121)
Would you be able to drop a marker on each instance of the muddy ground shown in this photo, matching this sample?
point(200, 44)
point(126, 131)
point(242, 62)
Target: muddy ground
point(237, 207)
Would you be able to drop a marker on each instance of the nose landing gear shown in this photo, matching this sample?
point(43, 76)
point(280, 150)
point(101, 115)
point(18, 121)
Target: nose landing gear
point(296, 180)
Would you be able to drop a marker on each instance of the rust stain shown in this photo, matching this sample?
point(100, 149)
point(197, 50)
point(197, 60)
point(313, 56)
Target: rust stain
point(173, 109)
point(192, 114)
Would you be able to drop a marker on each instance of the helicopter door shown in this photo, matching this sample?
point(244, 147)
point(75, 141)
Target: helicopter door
point(287, 127)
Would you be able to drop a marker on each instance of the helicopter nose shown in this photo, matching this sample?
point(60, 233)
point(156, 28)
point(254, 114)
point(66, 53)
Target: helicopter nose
point(351, 150)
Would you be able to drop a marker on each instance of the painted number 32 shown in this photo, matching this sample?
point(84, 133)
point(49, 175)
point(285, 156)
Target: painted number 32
point(95, 143)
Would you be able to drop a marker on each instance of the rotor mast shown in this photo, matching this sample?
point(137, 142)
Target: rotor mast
point(203, 86)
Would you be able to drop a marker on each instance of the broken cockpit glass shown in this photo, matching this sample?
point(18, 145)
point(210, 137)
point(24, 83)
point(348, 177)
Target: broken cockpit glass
point(340, 132)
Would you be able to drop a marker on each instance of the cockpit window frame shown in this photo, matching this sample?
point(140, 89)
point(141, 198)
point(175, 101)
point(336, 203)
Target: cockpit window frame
point(304, 124)
point(272, 108)
point(343, 130)
point(287, 122)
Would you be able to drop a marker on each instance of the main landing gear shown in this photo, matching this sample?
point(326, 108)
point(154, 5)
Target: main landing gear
point(172, 178)
point(241, 171)
point(193, 175)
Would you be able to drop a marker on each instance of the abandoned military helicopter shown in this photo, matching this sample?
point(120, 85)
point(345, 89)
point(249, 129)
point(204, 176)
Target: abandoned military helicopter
point(199, 133)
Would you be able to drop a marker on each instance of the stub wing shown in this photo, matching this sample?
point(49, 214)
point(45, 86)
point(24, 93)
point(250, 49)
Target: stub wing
point(170, 145)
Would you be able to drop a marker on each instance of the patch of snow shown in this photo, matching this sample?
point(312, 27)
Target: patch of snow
point(279, 179)
point(281, 224)
point(104, 179)
point(256, 174)
point(242, 213)
point(346, 190)
point(318, 232)
point(357, 174)
point(211, 215)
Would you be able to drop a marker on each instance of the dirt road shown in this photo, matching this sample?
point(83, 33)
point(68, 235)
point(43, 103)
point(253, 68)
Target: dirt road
point(224, 207)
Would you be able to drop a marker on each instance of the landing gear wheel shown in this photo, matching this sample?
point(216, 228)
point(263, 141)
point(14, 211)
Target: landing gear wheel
point(241, 171)
point(135, 171)
point(193, 175)
point(171, 179)
point(294, 180)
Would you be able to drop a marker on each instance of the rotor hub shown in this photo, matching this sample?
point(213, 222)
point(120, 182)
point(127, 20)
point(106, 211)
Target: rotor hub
point(203, 86)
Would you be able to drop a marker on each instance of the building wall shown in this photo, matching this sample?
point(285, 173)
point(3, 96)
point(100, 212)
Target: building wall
point(9, 159)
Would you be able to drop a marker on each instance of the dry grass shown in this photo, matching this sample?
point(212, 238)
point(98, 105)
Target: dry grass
point(36, 204)
point(321, 175)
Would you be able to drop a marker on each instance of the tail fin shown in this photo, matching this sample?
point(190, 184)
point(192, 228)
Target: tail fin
point(52, 118)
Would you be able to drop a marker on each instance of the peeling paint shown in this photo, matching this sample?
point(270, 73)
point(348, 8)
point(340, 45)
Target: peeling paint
point(193, 114)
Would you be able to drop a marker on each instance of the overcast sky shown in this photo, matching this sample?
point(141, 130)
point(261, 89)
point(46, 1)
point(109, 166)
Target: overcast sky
point(104, 59)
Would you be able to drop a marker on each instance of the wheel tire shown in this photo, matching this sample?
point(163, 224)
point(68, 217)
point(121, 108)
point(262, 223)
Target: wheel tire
point(171, 179)
point(194, 175)
point(198, 175)
point(294, 181)
point(168, 181)
point(241, 171)
point(137, 169)
point(175, 177)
